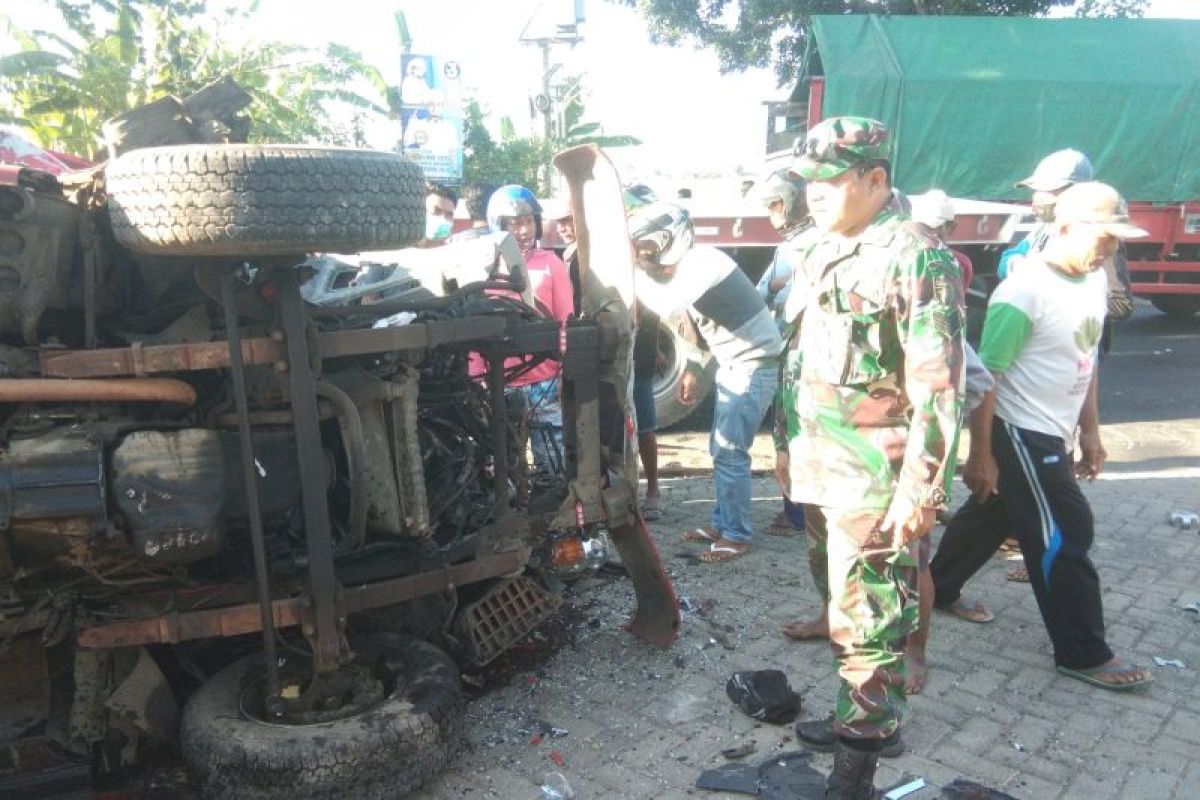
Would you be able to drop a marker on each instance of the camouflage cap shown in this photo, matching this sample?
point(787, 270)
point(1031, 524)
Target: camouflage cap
point(838, 143)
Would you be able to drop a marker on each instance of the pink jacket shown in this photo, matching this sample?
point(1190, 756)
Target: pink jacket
point(550, 284)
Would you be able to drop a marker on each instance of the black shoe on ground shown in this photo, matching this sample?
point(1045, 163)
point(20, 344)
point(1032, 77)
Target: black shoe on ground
point(818, 735)
point(853, 775)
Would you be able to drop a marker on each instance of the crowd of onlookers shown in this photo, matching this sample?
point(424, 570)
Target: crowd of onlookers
point(855, 335)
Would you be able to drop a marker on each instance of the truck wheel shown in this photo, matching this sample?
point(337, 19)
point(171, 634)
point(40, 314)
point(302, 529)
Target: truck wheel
point(384, 751)
point(1179, 306)
point(263, 200)
point(677, 351)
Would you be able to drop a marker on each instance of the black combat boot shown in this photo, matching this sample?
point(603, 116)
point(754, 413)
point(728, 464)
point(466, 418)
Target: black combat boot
point(853, 775)
point(817, 735)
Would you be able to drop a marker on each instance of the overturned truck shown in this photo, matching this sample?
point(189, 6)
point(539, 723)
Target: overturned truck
point(261, 512)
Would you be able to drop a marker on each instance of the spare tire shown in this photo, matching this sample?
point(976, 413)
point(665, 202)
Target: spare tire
point(386, 751)
point(263, 200)
point(677, 352)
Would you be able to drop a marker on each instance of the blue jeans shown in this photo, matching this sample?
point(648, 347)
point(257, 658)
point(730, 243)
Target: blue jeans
point(545, 426)
point(744, 393)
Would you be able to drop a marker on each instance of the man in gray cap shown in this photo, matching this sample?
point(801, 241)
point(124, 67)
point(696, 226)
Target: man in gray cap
point(1040, 341)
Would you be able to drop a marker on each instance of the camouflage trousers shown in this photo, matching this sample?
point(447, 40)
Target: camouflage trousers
point(818, 555)
point(871, 588)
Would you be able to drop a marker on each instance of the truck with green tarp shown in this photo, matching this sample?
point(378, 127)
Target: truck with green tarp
point(975, 102)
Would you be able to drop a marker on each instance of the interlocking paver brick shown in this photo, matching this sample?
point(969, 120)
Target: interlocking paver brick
point(990, 686)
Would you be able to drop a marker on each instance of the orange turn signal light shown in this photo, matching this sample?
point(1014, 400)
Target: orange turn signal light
point(568, 552)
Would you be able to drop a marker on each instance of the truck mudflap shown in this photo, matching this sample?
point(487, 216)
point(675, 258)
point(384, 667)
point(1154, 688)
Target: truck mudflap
point(606, 280)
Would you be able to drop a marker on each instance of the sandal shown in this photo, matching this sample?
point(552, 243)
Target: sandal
point(971, 611)
point(1017, 575)
point(719, 553)
point(650, 513)
point(702, 536)
point(1092, 676)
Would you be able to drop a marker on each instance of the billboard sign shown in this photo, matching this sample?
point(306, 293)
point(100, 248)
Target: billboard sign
point(431, 115)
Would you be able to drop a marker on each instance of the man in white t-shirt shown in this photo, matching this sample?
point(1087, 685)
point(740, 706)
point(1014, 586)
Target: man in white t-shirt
point(1040, 341)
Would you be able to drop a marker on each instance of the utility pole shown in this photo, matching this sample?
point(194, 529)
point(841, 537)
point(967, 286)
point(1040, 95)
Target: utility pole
point(547, 117)
point(545, 34)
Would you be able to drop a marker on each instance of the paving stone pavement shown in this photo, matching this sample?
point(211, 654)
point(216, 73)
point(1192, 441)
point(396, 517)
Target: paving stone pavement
point(643, 722)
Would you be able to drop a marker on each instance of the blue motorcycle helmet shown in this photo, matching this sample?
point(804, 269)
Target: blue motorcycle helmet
point(513, 200)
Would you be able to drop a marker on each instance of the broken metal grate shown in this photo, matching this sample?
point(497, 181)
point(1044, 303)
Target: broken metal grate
point(504, 616)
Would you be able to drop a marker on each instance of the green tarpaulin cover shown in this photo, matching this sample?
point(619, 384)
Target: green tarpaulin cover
point(975, 102)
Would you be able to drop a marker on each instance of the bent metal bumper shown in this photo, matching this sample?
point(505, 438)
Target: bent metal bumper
point(606, 277)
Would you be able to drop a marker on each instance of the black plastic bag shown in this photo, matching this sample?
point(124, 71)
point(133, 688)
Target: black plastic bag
point(764, 694)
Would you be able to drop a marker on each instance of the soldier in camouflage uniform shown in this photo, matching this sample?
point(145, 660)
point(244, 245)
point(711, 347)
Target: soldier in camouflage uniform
point(877, 314)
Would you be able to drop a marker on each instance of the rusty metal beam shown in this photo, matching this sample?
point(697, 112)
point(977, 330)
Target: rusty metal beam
point(242, 619)
point(149, 359)
point(122, 361)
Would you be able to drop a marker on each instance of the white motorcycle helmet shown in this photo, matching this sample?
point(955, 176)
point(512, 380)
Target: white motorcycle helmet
point(662, 233)
point(779, 186)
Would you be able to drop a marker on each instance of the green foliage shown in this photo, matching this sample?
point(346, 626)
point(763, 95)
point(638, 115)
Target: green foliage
point(524, 160)
point(511, 160)
point(1111, 8)
point(762, 33)
point(571, 129)
point(113, 55)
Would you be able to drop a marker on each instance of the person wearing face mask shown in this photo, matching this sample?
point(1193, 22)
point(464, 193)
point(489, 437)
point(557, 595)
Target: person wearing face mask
point(440, 203)
point(1040, 340)
point(723, 308)
point(783, 197)
point(513, 209)
point(1055, 174)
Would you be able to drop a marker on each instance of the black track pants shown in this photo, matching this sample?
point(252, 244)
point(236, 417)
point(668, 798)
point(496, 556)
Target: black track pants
point(1041, 505)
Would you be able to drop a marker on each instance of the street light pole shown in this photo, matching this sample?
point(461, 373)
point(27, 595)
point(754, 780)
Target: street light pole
point(547, 126)
point(559, 34)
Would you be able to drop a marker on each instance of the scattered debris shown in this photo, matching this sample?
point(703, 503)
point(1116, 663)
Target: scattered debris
point(544, 729)
point(555, 786)
point(764, 695)
point(718, 634)
point(788, 776)
point(962, 789)
point(1185, 520)
point(1169, 662)
point(739, 778)
point(741, 751)
point(1020, 748)
point(558, 758)
point(904, 790)
point(683, 707)
point(1193, 607)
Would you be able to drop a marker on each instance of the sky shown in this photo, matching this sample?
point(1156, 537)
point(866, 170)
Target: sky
point(691, 118)
point(671, 98)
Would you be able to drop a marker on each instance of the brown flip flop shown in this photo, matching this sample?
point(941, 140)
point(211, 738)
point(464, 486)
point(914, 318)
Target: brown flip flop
point(1017, 575)
point(718, 553)
point(701, 536)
